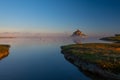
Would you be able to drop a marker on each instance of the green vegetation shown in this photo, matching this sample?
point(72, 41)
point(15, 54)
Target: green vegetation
point(115, 38)
point(4, 47)
point(105, 55)
point(117, 34)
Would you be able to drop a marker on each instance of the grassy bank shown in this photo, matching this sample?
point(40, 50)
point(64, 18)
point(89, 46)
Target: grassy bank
point(4, 47)
point(4, 51)
point(115, 38)
point(105, 55)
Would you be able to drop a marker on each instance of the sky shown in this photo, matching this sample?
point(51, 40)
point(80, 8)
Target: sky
point(93, 17)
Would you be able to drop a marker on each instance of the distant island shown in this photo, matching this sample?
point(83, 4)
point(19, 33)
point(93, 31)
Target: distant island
point(7, 37)
point(77, 35)
point(102, 59)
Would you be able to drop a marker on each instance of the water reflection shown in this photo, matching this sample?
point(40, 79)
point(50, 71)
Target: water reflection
point(4, 51)
point(76, 39)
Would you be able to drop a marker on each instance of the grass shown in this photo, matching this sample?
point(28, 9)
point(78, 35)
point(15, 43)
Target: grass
point(114, 39)
point(4, 48)
point(105, 55)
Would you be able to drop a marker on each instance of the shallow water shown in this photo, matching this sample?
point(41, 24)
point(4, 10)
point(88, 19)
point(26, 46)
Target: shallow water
point(38, 59)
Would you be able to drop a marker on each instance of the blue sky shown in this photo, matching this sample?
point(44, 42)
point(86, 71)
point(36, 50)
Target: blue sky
point(90, 16)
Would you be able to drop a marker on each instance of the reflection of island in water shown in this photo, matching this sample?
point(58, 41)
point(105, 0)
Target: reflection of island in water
point(4, 51)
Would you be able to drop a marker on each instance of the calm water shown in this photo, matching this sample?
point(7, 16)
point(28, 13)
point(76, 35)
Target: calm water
point(38, 59)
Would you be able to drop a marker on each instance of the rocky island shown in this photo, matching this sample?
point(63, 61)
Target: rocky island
point(77, 35)
point(101, 59)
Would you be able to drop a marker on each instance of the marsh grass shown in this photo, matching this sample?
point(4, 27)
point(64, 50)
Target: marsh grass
point(115, 38)
point(105, 55)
